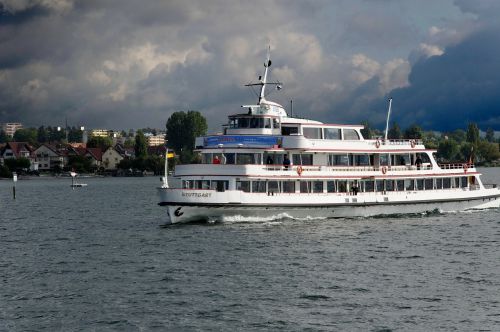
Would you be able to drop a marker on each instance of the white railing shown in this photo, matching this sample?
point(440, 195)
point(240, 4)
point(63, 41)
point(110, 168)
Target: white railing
point(456, 166)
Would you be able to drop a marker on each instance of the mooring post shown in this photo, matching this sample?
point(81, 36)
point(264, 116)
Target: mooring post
point(14, 180)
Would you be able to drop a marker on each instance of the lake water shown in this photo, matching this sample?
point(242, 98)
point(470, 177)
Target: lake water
point(97, 259)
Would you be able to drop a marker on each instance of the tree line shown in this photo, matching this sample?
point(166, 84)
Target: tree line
point(458, 145)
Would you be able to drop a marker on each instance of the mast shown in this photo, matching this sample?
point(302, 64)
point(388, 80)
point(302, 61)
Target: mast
point(263, 82)
point(388, 115)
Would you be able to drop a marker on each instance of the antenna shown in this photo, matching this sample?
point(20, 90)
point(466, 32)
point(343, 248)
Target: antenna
point(291, 108)
point(388, 115)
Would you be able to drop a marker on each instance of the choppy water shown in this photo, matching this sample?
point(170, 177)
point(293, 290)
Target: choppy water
point(96, 259)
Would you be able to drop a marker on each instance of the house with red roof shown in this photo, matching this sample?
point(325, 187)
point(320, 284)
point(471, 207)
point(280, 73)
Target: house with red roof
point(49, 157)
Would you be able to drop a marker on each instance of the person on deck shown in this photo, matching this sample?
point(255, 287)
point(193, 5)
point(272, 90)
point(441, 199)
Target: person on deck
point(216, 160)
point(286, 162)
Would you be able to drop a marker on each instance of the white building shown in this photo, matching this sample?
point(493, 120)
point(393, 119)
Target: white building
point(10, 128)
point(111, 158)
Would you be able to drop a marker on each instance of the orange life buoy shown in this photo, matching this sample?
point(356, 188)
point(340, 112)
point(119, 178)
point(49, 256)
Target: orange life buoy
point(300, 170)
point(384, 169)
point(466, 167)
point(377, 144)
point(412, 143)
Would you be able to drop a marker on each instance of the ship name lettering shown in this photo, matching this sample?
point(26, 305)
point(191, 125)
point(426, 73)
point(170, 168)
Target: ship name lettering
point(196, 194)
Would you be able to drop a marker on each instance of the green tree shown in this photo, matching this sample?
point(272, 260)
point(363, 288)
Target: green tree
point(80, 164)
point(3, 137)
point(366, 131)
point(473, 134)
point(490, 135)
point(17, 164)
point(100, 142)
point(459, 135)
point(5, 172)
point(448, 150)
point(42, 135)
point(26, 135)
point(394, 132)
point(488, 151)
point(413, 132)
point(141, 145)
point(182, 130)
point(75, 135)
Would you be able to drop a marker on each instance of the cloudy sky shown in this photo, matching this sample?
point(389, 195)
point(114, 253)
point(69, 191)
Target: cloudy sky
point(130, 64)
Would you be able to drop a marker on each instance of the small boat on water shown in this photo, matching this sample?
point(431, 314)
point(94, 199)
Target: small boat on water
point(267, 164)
point(74, 182)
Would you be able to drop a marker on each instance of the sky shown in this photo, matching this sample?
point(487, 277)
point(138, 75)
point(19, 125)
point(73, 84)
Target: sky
point(130, 64)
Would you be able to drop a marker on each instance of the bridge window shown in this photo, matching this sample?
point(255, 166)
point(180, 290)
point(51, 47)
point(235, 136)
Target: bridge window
point(351, 135)
point(311, 133)
point(331, 133)
point(285, 131)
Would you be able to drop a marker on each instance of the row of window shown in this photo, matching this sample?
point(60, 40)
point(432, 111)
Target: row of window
point(240, 123)
point(331, 133)
point(346, 159)
point(333, 186)
point(345, 186)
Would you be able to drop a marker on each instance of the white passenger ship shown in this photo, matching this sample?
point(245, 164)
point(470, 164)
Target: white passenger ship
point(269, 164)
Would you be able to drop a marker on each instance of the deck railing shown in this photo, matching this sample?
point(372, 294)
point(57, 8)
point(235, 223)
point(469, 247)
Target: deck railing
point(456, 166)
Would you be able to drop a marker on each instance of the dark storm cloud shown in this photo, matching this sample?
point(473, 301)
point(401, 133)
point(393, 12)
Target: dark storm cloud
point(125, 64)
point(448, 91)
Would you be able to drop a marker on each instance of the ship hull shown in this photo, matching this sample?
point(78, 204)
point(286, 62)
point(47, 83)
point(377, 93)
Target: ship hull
point(265, 207)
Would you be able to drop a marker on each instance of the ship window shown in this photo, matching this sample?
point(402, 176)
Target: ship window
point(219, 185)
point(389, 185)
point(342, 186)
point(267, 123)
point(330, 186)
point(338, 160)
point(254, 122)
point(446, 183)
point(439, 183)
point(305, 186)
point(410, 184)
point(273, 187)
point(351, 135)
point(228, 158)
point(380, 185)
point(259, 186)
point(331, 133)
point(402, 159)
point(429, 184)
point(242, 122)
point(384, 159)
point(243, 186)
point(311, 133)
point(288, 186)
point(289, 130)
point(400, 185)
point(457, 183)
point(362, 160)
point(369, 185)
point(464, 182)
point(276, 124)
point(420, 184)
point(318, 186)
point(302, 159)
point(245, 158)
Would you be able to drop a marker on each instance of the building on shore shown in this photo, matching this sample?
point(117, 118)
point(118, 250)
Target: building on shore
point(156, 140)
point(10, 128)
